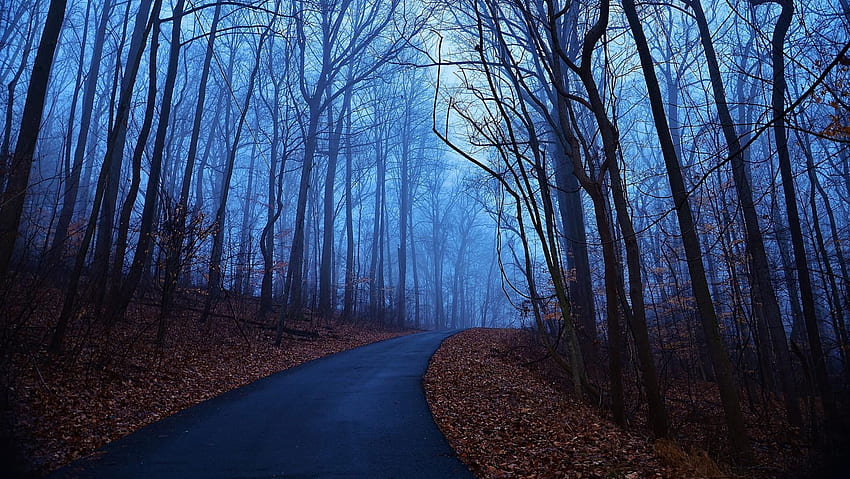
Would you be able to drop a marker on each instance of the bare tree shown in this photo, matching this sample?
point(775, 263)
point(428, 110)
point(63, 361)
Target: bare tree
point(699, 283)
point(17, 179)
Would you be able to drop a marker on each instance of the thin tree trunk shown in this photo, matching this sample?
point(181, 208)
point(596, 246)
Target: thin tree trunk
point(797, 242)
point(326, 270)
point(242, 275)
point(616, 305)
point(718, 351)
point(293, 287)
point(5, 153)
point(612, 305)
point(174, 251)
point(416, 304)
point(116, 140)
point(376, 303)
point(214, 285)
point(142, 254)
point(350, 271)
point(404, 206)
point(840, 307)
point(17, 180)
point(575, 238)
point(69, 199)
point(136, 181)
point(755, 242)
point(273, 209)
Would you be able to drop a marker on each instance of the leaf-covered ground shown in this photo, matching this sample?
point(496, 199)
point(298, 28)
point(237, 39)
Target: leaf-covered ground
point(510, 413)
point(65, 409)
point(506, 420)
point(500, 403)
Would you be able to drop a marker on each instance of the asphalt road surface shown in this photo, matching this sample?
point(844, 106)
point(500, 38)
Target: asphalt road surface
point(357, 414)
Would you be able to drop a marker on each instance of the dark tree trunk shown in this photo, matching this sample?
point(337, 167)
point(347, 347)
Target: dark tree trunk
point(136, 181)
point(326, 271)
point(404, 206)
point(17, 178)
point(273, 209)
point(376, 293)
point(116, 140)
point(293, 287)
point(174, 250)
point(350, 270)
point(242, 275)
point(417, 323)
point(755, 242)
point(719, 354)
point(797, 242)
point(214, 286)
point(69, 199)
point(581, 289)
point(142, 255)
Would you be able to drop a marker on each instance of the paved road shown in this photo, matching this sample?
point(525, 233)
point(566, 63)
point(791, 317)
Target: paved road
point(357, 414)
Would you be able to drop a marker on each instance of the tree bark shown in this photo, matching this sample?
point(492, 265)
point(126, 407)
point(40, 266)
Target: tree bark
point(116, 137)
point(72, 182)
point(326, 270)
point(797, 242)
point(214, 285)
point(17, 180)
point(719, 354)
point(146, 228)
point(755, 242)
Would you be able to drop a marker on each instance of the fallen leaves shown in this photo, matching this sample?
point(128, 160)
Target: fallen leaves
point(506, 420)
point(510, 413)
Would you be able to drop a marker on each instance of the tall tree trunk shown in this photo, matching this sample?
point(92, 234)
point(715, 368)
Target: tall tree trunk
point(174, 250)
point(380, 280)
point(242, 275)
point(613, 311)
point(717, 349)
point(136, 180)
point(142, 254)
point(350, 270)
point(69, 199)
point(376, 301)
point(842, 300)
point(141, 30)
point(214, 286)
point(404, 206)
point(575, 238)
point(273, 209)
point(326, 270)
point(616, 305)
point(436, 233)
point(797, 242)
point(415, 266)
point(755, 242)
point(5, 153)
point(17, 181)
point(293, 287)
point(783, 242)
point(829, 278)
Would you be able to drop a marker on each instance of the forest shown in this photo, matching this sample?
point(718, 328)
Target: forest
point(660, 190)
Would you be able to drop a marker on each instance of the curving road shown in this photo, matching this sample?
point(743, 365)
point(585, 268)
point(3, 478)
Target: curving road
point(357, 414)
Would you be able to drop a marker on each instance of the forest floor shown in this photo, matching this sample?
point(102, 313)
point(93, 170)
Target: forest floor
point(112, 381)
point(509, 412)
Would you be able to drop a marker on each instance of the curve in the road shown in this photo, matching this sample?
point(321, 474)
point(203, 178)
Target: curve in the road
point(357, 414)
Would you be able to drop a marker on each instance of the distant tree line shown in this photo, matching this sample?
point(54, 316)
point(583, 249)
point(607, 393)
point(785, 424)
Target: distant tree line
point(277, 150)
